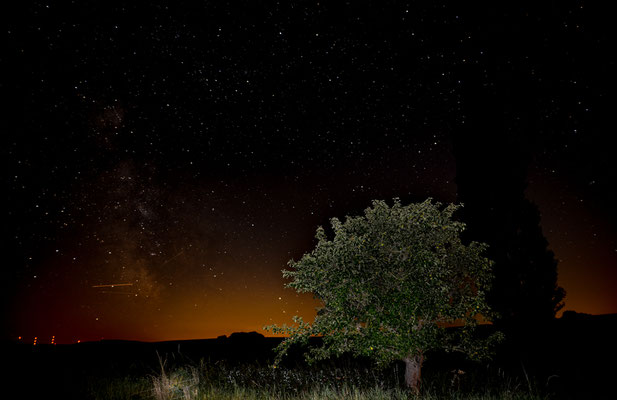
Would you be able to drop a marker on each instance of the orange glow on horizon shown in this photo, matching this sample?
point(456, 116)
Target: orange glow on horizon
point(206, 304)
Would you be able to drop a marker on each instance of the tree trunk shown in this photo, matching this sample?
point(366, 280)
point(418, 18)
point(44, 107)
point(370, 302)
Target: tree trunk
point(413, 369)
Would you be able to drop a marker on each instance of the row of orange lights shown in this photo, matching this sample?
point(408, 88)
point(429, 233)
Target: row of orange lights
point(36, 339)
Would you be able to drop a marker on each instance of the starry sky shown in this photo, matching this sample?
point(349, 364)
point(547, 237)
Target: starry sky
point(163, 163)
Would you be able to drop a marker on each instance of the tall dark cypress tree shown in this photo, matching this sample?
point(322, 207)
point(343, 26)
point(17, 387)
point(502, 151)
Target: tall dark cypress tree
point(491, 185)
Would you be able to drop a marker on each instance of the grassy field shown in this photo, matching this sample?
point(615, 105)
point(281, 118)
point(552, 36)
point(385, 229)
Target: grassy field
point(218, 381)
point(573, 360)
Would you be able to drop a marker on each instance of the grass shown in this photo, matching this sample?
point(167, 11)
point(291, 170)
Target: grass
point(214, 381)
point(129, 388)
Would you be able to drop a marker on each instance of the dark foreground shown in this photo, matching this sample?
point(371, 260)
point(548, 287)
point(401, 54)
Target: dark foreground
point(574, 358)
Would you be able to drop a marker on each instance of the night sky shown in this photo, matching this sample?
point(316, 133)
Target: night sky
point(162, 164)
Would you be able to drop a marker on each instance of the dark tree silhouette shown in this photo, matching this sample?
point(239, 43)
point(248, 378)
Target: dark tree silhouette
point(525, 288)
point(497, 213)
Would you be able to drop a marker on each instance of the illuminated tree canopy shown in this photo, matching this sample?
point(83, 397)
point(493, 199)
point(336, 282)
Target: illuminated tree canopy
point(390, 282)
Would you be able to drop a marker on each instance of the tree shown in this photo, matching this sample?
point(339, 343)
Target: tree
point(492, 185)
point(390, 283)
point(526, 291)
